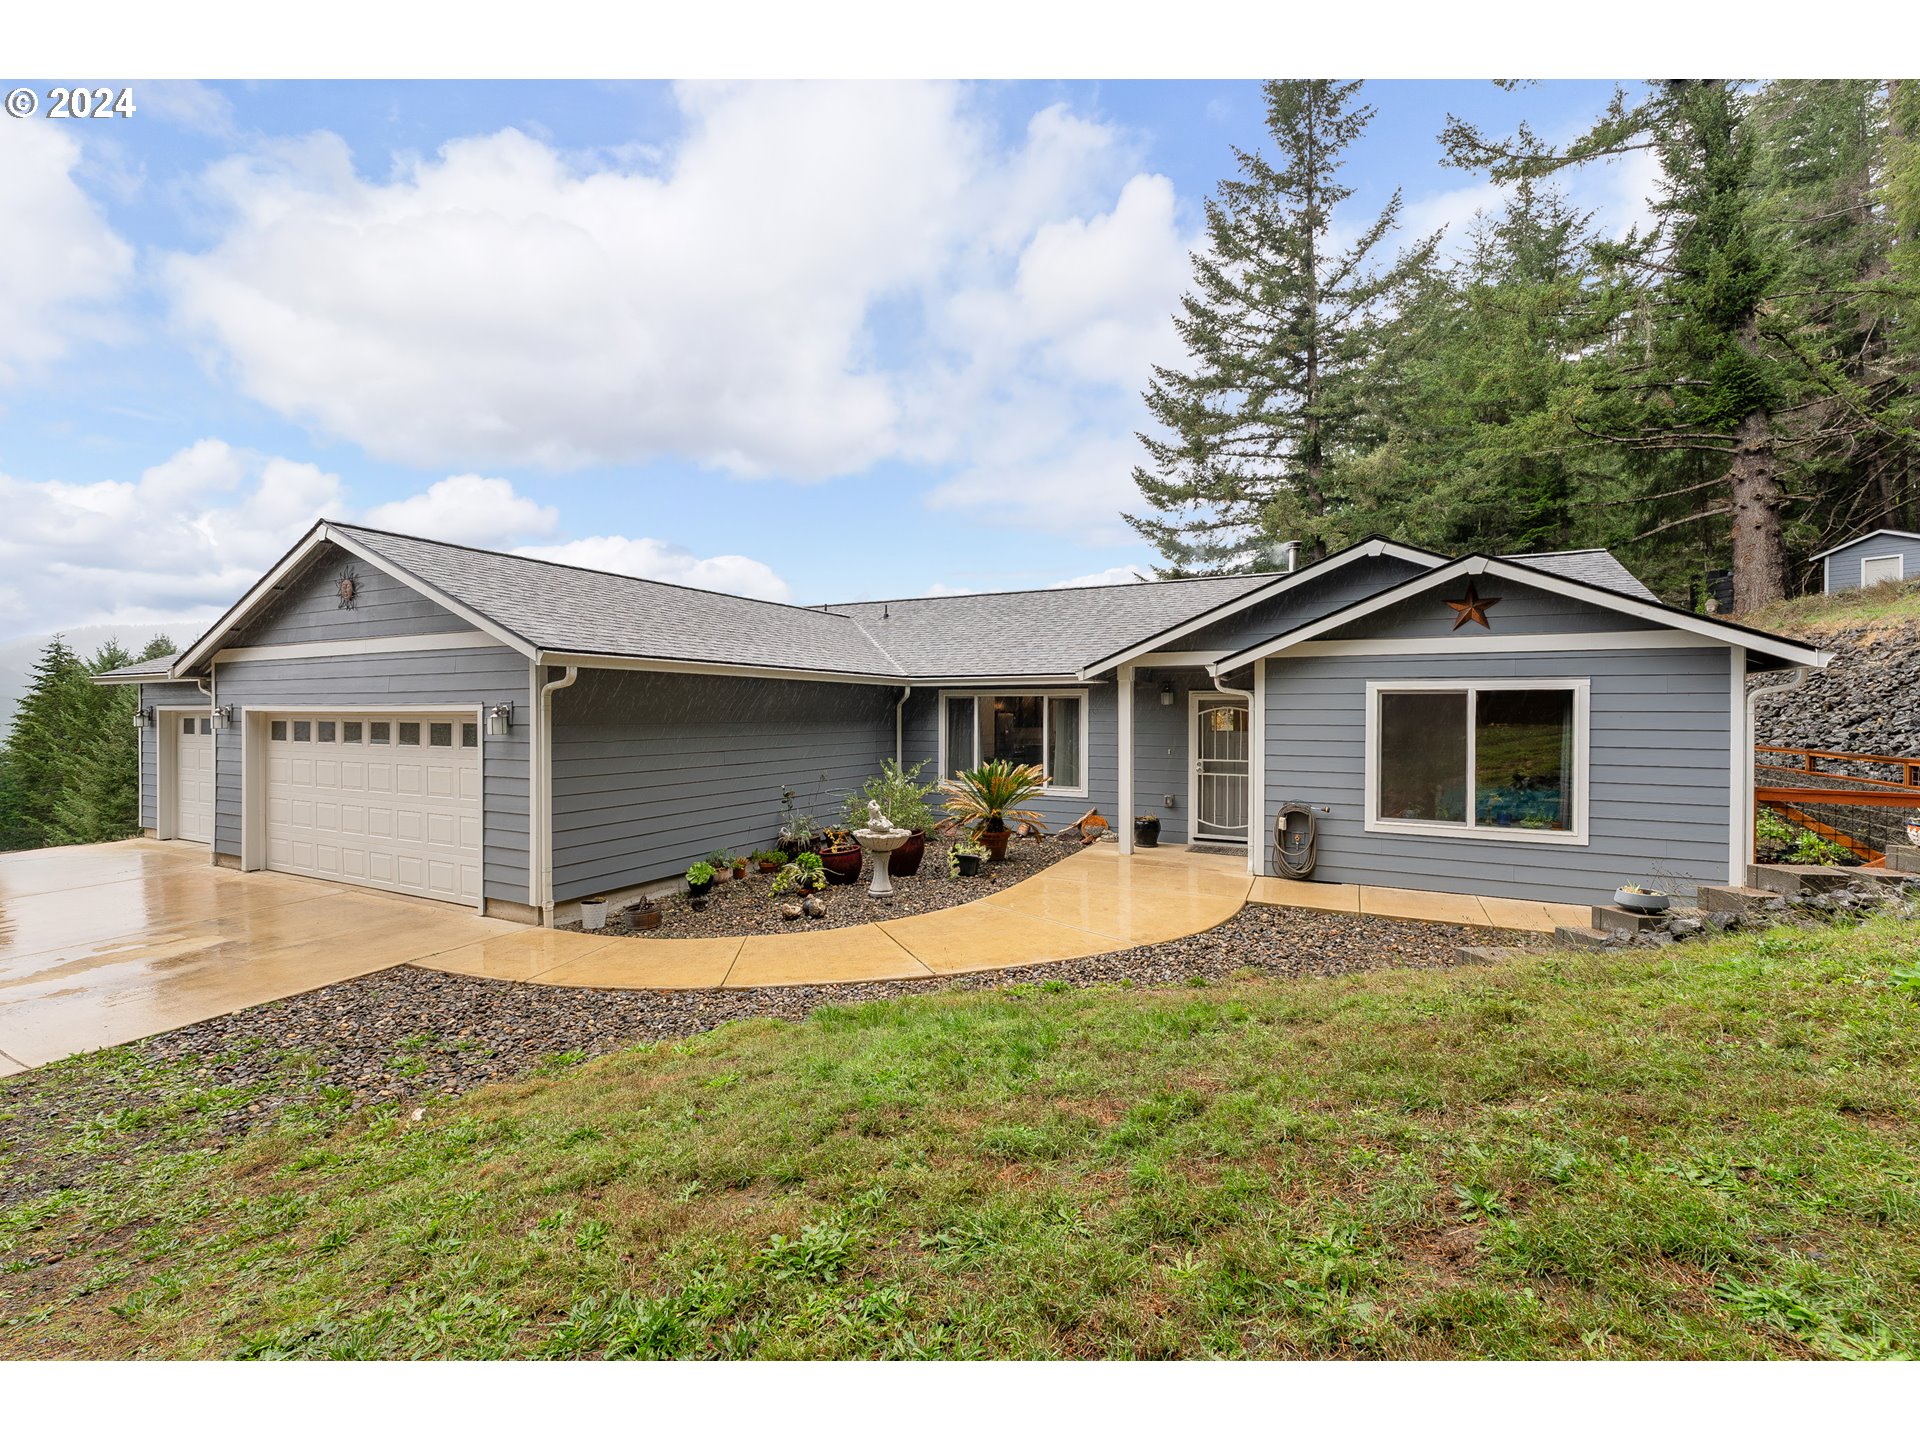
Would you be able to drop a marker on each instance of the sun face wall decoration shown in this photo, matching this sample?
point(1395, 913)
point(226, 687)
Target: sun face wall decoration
point(1471, 607)
point(346, 588)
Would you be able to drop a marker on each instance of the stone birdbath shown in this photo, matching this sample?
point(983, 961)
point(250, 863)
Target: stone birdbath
point(880, 838)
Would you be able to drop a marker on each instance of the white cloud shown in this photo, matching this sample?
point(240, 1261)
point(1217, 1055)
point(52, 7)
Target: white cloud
point(658, 560)
point(468, 510)
point(812, 279)
point(59, 259)
point(189, 104)
point(181, 541)
point(1078, 488)
point(1112, 575)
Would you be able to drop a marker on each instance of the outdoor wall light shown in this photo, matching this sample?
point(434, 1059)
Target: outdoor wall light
point(1166, 692)
point(500, 720)
point(143, 718)
point(222, 716)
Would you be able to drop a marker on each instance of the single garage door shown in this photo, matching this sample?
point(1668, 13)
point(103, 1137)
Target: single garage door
point(390, 801)
point(193, 778)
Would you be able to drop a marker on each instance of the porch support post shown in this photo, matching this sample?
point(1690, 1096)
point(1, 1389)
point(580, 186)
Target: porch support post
point(1257, 754)
point(1123, 697)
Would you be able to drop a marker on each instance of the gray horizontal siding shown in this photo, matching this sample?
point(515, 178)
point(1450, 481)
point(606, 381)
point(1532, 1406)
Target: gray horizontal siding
point(1659, 779)
point(1843, 566)
point(157, 695)
point(1307, 602)
point(1522, 610)
point(458, 679)
point(922, 742)
point(1160, 763)
point(653, 771)
point(310, 609)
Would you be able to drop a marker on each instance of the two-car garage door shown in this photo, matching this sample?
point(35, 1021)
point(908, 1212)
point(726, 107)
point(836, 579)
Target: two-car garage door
point(387, 800)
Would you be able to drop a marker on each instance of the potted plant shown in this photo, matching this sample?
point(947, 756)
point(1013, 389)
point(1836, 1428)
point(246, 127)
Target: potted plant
point(1146, 830)
point(699, 878)
point(644, 914)
point(769, 861)
point(964, 860)
point(739, 867)
point(803, 875)
point(983, 800)
point(903, 800)
point(720, 863)
point(840, 854)
point(593, 913)
point(1642, 899)
point(796, 829)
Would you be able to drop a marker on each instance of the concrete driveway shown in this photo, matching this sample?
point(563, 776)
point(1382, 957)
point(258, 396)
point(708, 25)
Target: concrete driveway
point(101, 944)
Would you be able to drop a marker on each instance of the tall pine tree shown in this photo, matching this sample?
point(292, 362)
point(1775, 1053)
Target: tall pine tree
point(1283, 330)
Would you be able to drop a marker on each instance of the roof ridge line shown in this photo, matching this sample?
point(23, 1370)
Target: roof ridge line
point(1044, 590)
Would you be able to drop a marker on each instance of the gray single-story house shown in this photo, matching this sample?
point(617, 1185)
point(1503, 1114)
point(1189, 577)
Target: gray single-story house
point(1875, 558)
point(513, 734)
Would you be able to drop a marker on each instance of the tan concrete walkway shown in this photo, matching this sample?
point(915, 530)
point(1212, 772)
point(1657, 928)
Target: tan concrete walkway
point(101, 944)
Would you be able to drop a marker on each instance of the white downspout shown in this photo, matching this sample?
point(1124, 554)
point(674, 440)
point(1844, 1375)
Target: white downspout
point(899, 730)
point(543, 769)
point(1754, 697)
point(1254, 837)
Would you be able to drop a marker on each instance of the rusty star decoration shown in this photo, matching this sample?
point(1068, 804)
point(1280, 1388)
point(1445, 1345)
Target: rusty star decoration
point(1471, 607)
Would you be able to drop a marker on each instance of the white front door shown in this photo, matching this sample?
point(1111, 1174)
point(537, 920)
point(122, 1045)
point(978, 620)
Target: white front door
point(192, 777)
point(390, 801)
point(1218, 739)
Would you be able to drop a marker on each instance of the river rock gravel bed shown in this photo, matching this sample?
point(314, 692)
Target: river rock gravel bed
point(405, 1037)
point(748, 907)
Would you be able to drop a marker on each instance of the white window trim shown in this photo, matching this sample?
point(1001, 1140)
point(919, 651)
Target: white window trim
point(1899, 567)
point(1075, 792)
point(1582, 689)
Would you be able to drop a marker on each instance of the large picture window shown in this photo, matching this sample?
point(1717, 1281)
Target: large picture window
point(1025, 729)
point(1498, 760)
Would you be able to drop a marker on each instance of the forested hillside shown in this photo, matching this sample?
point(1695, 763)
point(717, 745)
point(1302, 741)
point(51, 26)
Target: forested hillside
point(1734, 386)
point(69, 769)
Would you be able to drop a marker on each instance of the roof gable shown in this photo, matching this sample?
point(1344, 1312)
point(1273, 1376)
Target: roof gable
point(1861, 540)
point(1721, 632)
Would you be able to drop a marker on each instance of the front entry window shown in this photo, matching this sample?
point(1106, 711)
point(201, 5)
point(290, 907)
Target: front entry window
point(1037, 729)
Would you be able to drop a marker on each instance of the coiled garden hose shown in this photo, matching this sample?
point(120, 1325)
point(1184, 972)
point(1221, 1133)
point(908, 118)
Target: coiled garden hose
point(1295, 846)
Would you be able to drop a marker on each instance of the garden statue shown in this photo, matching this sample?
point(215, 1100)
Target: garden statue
point(880, 838)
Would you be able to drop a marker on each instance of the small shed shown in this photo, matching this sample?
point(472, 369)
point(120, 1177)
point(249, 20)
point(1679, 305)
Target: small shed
point(1871, 559)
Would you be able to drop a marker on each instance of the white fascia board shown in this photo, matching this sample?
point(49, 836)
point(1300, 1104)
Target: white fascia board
point(322, 534)
point(1777, 647)
point(244, 606)
point(1870, 535)
point(374, 645)
point(1371, 549)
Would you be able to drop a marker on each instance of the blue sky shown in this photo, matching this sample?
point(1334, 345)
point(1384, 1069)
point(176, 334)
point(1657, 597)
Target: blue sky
point(807, 341)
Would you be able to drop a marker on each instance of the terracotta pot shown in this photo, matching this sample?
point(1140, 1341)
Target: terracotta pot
point(842, 866)
point(770, 867)
point(996, 842)
point(906, 860)
point(739, 872)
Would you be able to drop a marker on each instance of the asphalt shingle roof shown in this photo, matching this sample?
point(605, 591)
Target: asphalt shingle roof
point(140, 669)
point(1593, 567)
point(1035, 632)
point(565, 609)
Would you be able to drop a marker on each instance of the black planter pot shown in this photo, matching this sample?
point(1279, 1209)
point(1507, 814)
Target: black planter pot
point(906, 860)
point(969, 865)
point(699, 889)
point(1146, 833)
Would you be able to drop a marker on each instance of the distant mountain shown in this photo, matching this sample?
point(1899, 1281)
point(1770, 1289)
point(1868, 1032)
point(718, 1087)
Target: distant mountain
point(17, 656)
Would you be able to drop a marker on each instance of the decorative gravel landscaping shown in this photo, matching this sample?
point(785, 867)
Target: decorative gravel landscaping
point(748, 906)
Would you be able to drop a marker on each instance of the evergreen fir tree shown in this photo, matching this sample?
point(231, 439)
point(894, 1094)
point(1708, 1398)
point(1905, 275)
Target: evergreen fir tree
point(1282, 330)
point(37, 757)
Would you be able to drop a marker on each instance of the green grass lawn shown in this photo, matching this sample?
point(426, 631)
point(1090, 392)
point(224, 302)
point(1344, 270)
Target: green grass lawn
point(1891, 604)
point(1704, 1152)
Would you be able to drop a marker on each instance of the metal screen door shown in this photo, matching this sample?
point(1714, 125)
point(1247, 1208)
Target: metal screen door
point(1220, 746)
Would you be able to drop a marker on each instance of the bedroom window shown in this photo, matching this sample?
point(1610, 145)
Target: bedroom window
point(1497, 760)
point(1024, 729)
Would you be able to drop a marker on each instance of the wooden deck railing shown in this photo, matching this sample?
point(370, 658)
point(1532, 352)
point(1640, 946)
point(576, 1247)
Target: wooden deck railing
point(1908, 765)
